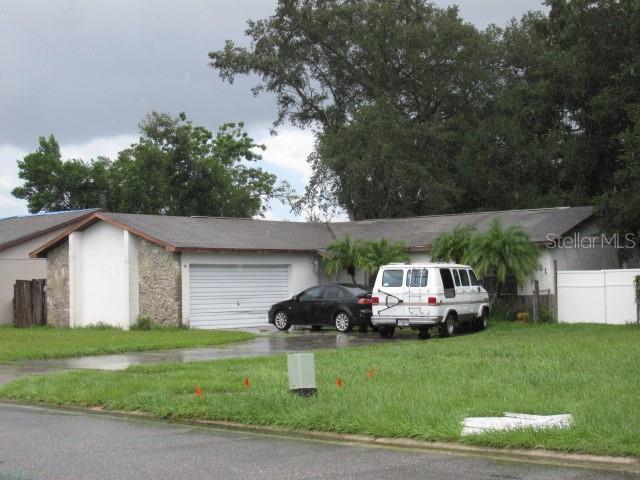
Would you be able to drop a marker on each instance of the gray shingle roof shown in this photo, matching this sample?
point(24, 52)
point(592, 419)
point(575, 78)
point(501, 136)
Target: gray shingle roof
point(227, 233)
point(421, 231)
point(235, 234)
point(13, 230)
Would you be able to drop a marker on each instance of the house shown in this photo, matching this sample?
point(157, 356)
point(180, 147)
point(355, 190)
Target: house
point(19, 236)
point(225, 272)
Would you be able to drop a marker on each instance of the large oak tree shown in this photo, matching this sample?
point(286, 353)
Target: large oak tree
point(418, 112)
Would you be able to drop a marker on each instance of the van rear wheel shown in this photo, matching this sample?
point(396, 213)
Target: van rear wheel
point(386, 331)
point(448, 328)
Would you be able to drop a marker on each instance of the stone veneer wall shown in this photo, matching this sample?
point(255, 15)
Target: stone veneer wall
point(160, 284)
point(58, 286)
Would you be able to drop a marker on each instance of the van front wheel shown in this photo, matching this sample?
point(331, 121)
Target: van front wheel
point(482, 322)
point(448, 328)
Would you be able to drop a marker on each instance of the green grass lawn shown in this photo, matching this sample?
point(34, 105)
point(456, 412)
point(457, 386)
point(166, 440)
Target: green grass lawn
point(421, 389)
point(38, 343)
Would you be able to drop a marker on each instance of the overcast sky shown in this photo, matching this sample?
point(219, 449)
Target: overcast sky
point(89, 71)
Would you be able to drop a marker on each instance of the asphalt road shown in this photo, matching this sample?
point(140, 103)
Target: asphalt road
point(38, 443)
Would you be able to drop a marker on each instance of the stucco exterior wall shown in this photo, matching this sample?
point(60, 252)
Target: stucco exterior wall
point(15, 264)
point(159, 284)
point(58, 295)
point(99, 289)
point(577, 251)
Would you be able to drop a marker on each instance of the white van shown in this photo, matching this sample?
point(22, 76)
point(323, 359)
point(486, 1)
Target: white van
point(425, 295)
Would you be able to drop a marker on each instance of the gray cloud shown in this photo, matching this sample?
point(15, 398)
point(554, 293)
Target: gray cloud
point(83, 69)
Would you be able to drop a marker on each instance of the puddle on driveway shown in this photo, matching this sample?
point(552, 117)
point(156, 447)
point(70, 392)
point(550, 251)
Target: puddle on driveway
point(271, 344)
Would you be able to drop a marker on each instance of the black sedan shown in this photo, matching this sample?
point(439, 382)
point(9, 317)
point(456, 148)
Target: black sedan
point(341, 305)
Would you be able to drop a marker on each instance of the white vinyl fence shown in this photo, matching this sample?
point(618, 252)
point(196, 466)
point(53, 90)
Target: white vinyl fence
point(597, 296)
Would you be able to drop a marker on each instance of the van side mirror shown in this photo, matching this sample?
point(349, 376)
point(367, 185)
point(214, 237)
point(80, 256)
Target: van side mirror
point(294, 298)
point(481, 282)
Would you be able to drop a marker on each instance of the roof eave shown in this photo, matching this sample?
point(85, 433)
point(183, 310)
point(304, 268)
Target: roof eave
point(40, 233)
point(42, 251)
point(245, 250)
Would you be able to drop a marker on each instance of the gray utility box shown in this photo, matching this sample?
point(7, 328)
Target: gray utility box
point(302, 373)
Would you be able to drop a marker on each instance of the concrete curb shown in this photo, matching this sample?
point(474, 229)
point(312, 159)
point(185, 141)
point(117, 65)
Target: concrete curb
point(545, 456)
point(597, 462)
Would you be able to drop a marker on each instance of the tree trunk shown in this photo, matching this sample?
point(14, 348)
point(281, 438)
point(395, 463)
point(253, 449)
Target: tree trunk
point(496, 294)
point(352, 273)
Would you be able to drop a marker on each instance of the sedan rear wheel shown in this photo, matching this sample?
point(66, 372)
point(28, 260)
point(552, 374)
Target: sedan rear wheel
point(281, 320)
point(343, 322)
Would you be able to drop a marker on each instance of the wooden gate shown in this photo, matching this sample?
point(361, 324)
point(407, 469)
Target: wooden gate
point(29, 303)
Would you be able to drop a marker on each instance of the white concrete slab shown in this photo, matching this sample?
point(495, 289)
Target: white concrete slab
point(514, 421)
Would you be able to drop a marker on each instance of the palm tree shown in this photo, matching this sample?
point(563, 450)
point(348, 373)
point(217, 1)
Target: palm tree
point(375, 254)
point(452, 246)
point(503, 252)
point(343, 254)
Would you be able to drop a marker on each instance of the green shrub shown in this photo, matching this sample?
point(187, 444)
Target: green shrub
point(143, 323)
point(546, 315)
point(99, 326)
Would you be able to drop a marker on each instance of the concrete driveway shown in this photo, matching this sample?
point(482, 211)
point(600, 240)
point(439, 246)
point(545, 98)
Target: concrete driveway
point(38, 443)
point(266, 343)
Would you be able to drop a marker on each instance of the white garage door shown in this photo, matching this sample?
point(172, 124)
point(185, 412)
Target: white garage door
point(232, 296)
